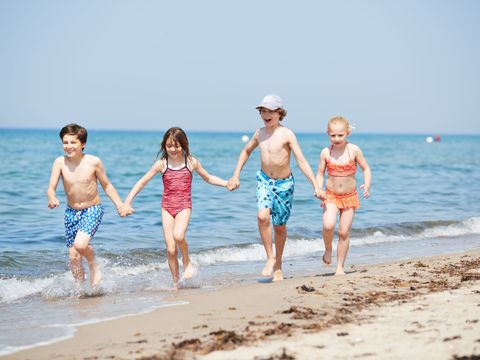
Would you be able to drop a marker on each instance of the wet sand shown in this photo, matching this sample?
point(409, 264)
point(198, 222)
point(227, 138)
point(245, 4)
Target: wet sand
point(424, 307)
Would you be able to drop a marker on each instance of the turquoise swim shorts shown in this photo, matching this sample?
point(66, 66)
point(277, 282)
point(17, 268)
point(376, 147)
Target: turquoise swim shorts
point(276, 195)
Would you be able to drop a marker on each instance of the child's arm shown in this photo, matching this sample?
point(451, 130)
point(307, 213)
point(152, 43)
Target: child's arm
point(234, 181)
point(107, 185)
point(302, 162)
point(321, 172)
point(52, 186)
point(211, 179)
point(367, 173)
point(157, 167)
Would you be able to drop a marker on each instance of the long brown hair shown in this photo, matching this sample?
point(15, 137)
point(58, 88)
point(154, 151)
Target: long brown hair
point(178, 136)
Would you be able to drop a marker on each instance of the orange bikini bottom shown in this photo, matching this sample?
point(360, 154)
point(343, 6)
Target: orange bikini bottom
point(344, 201)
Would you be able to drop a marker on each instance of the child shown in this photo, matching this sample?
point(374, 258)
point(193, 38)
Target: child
point(275, 183)
point(80, 173)
point(340, 160)
point(176, 165)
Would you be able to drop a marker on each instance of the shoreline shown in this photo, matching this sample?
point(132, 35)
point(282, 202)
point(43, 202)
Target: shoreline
point(255, 317)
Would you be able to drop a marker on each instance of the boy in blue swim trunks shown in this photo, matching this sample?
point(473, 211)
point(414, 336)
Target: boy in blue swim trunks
point(275, 183)
point(80, 174)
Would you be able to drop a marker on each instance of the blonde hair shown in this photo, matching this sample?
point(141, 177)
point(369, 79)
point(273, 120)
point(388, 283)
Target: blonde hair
point(340, 120)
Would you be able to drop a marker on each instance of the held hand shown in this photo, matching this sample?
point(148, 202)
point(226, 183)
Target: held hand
point(125, 210)
point(233, 183)
point(366, 190)
point(320, 194)
point(53, 203)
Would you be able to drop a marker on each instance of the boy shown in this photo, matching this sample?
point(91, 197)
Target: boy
point(275, 183)
point(83, 214)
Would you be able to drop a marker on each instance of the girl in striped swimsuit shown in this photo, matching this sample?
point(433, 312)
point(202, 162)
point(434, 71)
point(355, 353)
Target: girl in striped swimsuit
point(340, 160)
point(176, 165)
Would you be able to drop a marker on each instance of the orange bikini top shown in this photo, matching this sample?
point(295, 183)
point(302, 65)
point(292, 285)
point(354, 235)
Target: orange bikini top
point(347, 169)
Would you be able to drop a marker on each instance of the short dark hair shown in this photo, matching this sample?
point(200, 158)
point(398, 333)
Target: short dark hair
point(74, 129)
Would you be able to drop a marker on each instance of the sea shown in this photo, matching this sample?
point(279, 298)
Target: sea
point(425, 200)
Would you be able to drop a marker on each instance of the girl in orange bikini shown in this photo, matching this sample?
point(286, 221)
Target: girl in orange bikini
point(340, 160)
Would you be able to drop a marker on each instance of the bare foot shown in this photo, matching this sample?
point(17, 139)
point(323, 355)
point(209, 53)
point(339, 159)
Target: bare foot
point(339, 272)
point(277, 275)
point(190, 271)
point(327, 258)
point(95, 275)
point(268, 269)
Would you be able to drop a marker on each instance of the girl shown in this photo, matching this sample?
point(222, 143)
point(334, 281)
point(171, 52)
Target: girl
point(340, 160)
point(176, 165)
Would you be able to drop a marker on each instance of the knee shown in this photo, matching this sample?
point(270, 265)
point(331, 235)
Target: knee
point(280, 230)
point(328, 227)
point(343, 234)
point(263, 219)
point(80, 247)
point(172, 251)
point(178, 236)
point(75, 256)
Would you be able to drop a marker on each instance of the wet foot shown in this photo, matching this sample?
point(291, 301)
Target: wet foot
point(190, 271)
point(339, 272)
point(268, 269)
point(95, 275)
point(327, 258)
point(277, 275)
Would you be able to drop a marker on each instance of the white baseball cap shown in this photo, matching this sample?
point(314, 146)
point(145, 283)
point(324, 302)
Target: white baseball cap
point(271, 102)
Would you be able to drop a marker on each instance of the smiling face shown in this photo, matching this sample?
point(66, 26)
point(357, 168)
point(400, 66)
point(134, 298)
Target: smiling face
point(72, 146)
point(337, 131)
point(173, 148)
point(271, 118)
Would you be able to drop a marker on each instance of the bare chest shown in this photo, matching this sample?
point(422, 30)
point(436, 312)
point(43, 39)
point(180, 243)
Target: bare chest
point(81, 174)
point(274, 145)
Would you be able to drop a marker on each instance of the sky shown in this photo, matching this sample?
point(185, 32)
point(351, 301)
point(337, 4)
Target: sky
point(389, 66)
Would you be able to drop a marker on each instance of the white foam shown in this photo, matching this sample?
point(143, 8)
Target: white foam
point(62, 286)
point(306, 247)
point(14, 289)
point(155, 276)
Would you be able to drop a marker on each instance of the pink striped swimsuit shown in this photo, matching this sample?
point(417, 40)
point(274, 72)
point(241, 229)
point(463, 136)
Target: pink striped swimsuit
point(177, 189)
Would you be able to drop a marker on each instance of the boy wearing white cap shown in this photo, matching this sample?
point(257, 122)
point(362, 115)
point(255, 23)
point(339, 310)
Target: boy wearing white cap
point(275, 182)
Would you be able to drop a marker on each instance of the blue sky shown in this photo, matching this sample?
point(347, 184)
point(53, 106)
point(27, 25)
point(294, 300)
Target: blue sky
point(389, 66)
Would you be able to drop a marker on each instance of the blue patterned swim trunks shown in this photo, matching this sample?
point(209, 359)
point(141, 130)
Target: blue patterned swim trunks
point(85, 220)
point(276, 195)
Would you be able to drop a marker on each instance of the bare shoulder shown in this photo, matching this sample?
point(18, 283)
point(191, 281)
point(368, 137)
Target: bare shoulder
point(160, 165)
point(58, 164)
point(354, 148)
point(325, 152)
point(192, 162)
point(92, 160)
point(59, 161)
point(288, 135)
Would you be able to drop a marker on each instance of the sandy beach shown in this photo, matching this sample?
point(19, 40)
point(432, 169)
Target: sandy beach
point(423, 307)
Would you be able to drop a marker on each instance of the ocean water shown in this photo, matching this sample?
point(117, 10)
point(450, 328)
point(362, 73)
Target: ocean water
point(425, 200)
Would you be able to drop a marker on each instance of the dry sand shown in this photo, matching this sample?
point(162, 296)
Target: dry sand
point(420, 308)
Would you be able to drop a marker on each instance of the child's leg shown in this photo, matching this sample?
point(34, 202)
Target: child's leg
point(280, 238)
point(179, 231)
point(168, 223)
point(346, 221)
point(82, 246)
point(76, 265)
point(330, 212)
point(266, 235)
